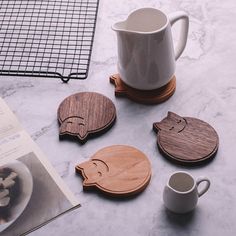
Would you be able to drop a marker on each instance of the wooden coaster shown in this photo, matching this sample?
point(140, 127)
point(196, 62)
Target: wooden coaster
point(116, 170)
point(143, 96)
point(83, 114)
point(186, 140)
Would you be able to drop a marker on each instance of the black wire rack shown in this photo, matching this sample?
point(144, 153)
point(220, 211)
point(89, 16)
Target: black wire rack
point(47, 38)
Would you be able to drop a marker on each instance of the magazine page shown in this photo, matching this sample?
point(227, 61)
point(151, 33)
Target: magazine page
point(31, 192)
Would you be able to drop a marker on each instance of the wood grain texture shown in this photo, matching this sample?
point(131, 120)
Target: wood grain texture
point(186, 140)
point(117, 170)
point(84, 114)
point(143, 96)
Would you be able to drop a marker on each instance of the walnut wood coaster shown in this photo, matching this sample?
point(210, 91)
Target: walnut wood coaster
point(118, 170)
point(82, 115)
point(143, 96)
point(186, 140)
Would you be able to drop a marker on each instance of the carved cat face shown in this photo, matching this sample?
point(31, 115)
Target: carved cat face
point(75, 126)
point(93, 170)
point(172, 123)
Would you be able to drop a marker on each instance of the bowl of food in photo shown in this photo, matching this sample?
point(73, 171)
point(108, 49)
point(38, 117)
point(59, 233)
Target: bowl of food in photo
point(16, 186)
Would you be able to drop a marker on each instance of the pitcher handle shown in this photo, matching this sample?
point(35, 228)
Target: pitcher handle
point(174, 17)
point(208, 183)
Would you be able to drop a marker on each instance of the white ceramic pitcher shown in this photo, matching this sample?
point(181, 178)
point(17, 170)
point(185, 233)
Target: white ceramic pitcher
point(146, 56)
point(181, 193)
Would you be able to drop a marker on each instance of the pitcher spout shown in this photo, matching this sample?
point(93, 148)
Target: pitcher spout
point(119, 26)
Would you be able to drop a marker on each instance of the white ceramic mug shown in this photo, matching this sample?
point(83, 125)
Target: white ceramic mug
point(181, 192)
point(146, 56)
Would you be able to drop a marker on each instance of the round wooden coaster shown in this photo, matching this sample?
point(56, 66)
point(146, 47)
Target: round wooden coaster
point(117, 170)
point(143, 96)
point(83, 114)
point(186, 140)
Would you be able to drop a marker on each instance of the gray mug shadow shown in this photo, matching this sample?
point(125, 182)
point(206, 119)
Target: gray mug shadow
point(180, 220)
point(169, 223)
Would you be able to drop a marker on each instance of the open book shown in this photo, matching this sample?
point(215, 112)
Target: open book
point(31, 192)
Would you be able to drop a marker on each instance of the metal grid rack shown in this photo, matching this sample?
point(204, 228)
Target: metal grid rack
point(47, 38)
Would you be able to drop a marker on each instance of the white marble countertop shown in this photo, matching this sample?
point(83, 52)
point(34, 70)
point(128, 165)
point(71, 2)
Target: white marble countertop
point(206, 89)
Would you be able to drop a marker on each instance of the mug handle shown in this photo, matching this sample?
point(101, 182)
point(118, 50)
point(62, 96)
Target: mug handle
point(174, 17)
point(208, 183)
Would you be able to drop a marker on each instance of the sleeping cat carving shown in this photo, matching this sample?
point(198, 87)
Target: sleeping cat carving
point(84, 114)
point(186, 139)
point(117, 170)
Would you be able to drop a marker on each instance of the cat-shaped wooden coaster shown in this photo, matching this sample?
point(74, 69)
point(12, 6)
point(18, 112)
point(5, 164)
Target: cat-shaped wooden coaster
point(186, 140)
point(84, 114)
point(117, 170)
point(143, 96)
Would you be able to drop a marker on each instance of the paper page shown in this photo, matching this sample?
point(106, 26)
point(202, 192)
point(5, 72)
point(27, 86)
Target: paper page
point(38, 194)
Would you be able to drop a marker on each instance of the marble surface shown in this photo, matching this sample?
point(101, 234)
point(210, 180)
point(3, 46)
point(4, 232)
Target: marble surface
point(206, 89)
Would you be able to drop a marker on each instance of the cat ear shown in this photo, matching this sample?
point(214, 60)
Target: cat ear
point(157, 126)
point(82, 132)
point(80, 169)
point(82, 166)
point(62, 128)
point(172, 115)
